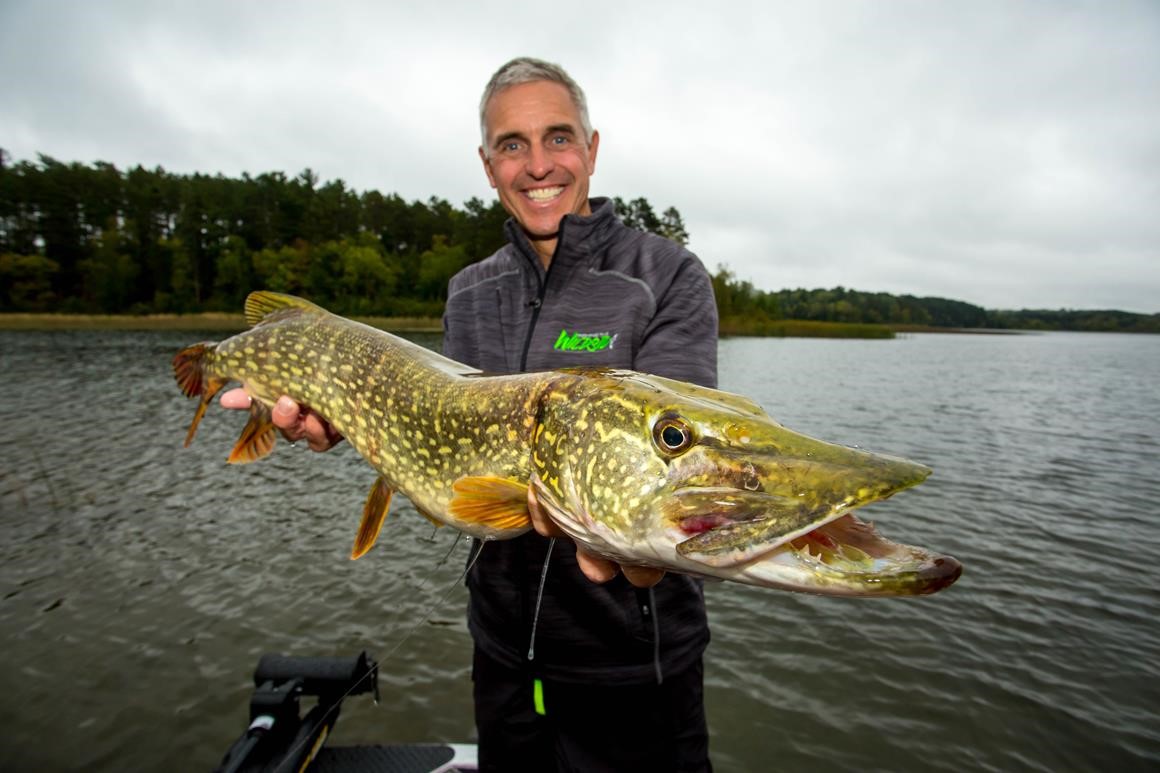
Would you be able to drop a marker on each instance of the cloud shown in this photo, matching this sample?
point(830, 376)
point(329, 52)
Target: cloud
point(1003, 153)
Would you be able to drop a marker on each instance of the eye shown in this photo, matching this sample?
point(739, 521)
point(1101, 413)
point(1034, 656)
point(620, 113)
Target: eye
point(672, 435)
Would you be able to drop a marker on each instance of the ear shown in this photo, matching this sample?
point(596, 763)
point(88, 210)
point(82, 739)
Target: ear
point(593, 146)
point(487, 166)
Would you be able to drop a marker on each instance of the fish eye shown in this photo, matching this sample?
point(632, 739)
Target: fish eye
point(672, 435)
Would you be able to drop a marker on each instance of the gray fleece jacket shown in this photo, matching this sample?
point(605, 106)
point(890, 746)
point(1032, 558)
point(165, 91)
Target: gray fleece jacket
point(615, 297)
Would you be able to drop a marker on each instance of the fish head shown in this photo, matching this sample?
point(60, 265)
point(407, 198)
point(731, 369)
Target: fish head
point(647, 470)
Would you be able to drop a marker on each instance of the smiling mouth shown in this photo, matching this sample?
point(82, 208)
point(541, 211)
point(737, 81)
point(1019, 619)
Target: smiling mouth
point(544, 194)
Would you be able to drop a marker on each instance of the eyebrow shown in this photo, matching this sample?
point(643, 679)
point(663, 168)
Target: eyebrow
point(565, 128)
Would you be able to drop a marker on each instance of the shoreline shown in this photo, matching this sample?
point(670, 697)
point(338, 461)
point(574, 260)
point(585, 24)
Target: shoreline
point(228, 322)
point(209, 320)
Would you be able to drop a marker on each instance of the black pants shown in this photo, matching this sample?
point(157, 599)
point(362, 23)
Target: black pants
point(589, 727)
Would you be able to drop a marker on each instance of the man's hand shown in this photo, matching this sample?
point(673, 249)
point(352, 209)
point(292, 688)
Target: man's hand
point(594, 567)
point(293, 420)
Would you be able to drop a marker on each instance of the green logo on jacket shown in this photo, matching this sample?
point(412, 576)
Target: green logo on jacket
point(583, 342)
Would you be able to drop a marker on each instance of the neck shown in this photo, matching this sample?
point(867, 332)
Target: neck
point(545, 247)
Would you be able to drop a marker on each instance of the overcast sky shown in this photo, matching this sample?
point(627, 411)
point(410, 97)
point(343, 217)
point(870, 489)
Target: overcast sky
point(1002, 153)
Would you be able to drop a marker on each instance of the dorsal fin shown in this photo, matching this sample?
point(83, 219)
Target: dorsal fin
point(262, 303)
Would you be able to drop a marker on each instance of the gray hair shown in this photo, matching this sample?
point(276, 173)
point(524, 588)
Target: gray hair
point(526, 69)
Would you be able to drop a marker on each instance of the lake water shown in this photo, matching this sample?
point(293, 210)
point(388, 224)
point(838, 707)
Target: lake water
point(140, 582)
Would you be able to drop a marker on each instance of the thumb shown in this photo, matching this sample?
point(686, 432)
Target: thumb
point(285, 413)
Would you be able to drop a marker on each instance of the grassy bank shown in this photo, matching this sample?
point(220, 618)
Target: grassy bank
point(732, 326)
point(800, 328)
point(207, 321)
point(967, 330)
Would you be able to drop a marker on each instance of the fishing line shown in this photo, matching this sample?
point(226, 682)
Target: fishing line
point(439, 565)
point(438, 603)
point(390, 653)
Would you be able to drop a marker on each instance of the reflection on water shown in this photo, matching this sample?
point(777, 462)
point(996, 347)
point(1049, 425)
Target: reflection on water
point(140, 581)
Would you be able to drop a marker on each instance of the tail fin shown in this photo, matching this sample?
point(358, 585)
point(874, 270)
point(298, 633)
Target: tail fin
point(189, 370)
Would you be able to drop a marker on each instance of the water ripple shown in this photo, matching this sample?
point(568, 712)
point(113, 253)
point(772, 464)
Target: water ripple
point(148, 578)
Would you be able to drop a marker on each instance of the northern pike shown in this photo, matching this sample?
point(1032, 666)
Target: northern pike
point(641, 469)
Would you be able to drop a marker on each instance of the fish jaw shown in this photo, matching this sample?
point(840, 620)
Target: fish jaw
point(843, 557)
point(848, 557)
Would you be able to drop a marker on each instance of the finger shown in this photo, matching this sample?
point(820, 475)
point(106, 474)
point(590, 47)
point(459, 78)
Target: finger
point(235, 399)
point(642, 576)
point(540, 520)
point(287, 417)
point(320, 435)
point(595, 568)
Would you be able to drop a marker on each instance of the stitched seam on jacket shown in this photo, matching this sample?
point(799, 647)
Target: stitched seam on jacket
point(652, 297)
point(482, 282)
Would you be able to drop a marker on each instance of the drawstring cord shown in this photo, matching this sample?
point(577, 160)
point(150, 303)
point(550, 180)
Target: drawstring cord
point(539, 598)
point(652, 602)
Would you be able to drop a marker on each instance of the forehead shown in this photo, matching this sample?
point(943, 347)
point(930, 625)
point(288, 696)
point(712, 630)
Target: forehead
point(530, 108)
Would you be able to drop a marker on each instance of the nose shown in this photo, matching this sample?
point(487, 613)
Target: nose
point(539, 162)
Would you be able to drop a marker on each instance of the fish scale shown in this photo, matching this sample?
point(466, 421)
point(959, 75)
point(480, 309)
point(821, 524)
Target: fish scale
point(398, 422)
point(635, 467)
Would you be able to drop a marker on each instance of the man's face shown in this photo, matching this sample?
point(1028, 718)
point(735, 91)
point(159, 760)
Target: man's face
point(537, 157)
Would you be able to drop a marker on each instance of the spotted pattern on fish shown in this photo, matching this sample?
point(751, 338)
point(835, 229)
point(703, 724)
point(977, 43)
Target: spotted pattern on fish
point(638, 468)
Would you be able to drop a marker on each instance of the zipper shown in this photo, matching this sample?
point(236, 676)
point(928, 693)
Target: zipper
point(537, 302)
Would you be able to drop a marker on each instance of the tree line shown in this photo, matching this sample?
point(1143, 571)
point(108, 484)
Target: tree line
point(97, 239)
point(740, 300)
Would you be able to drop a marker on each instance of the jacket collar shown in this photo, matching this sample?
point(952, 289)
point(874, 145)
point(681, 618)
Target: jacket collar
point(580, 235)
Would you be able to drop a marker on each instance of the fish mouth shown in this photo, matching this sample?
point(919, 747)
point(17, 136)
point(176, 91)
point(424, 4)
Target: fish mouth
point(847, 556)
point(775, 541)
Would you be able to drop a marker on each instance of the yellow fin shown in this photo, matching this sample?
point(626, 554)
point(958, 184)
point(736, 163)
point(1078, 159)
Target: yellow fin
point(211, 387)
point(499, 503)
point(374, 513)
point(262, 303)
point(257, 438)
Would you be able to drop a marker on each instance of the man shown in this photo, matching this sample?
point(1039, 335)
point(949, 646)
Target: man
point(570, 674)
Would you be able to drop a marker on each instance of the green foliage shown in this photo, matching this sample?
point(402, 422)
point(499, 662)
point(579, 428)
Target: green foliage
point(639, 214)
point(26, 282)
point(96, 239)
point(108, 275)
point(1102, 321)
point(743, 309)
point(437, 264)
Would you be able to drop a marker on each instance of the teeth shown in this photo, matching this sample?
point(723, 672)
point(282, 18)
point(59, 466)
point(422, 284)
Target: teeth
point(543, 194)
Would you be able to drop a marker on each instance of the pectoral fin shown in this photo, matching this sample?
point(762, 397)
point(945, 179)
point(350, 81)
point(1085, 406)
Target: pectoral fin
point(374, 513)
point(257, 438)
point(497, 503)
